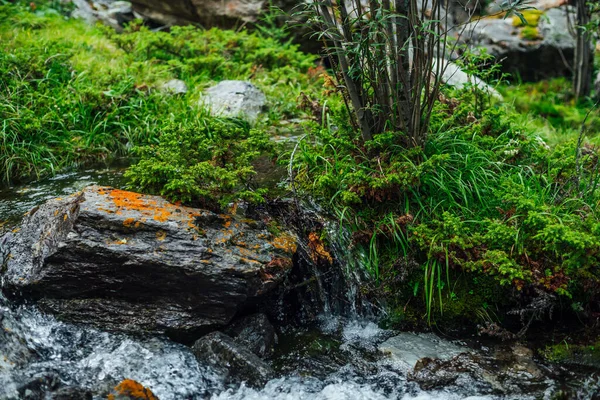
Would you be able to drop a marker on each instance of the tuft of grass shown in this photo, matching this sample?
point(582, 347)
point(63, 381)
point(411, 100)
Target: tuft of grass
point(548, 108)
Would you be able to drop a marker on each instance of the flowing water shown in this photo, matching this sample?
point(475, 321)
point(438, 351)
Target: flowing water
point(336, 358)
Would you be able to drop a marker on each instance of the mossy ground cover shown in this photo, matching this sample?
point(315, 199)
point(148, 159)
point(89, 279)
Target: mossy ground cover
point(485, 200)
point(72, 94)
point(549, 108)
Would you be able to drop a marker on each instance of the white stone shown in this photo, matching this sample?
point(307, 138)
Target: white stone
point(236, 99)
point(452, 75)
point(175, 86)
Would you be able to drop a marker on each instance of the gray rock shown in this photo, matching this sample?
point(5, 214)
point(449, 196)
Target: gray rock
point(175, 86)
point(255, 332)
point(408, 348)
point(506, 370)
point(111, 13)
point(546, 57)
point(208, 13)
point(124, 261)
point(233, 361)
point(452, 75)
point(495, 6)
point(237, 99)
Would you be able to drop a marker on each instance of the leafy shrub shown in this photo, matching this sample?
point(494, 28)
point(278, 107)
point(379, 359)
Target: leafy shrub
point(205, 161)
point(484, 196)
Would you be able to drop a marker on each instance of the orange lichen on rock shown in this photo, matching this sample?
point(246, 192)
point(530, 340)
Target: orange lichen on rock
point(286, 243)
point(162, 215)
point(125, 200)
point(133, 390)
point(129, 222)
point(317, 248)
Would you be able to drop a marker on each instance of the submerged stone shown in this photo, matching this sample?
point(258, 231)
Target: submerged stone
point(408, 348)
point(254, 332)
point(124, 261)
point(234, 362)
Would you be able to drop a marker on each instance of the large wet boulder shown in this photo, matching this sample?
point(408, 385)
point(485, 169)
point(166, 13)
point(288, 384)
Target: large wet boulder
point(124, 261)
point(531, 53)
point(234, 362)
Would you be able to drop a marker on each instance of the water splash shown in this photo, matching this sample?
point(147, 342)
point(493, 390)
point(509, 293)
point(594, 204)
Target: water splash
point(34, 344)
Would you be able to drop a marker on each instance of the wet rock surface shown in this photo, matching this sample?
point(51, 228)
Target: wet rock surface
point(123, 261)
point(234, 362)
point(408, 348)
point(255, 332)
point(508, 369)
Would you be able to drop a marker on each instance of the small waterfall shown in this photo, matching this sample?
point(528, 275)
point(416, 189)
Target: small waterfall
point(331, 282)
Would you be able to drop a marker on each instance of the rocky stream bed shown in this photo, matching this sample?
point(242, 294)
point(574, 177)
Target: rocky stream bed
point(87, 304)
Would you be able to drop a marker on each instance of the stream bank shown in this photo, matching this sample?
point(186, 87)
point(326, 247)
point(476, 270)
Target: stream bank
point(333, 357)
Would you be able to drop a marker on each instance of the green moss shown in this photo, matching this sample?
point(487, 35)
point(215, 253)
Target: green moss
point(548, 107)
point(205, 162)
point(577, 354)
point(528, 18)
point(485, 196)
point(531, 33)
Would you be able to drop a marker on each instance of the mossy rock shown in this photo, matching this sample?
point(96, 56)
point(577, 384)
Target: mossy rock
point(573, 354)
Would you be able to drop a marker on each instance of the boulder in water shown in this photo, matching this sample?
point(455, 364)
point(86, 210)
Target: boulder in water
point(234, 362)
point(255, 332)
point(408, 348)
point(125, 261)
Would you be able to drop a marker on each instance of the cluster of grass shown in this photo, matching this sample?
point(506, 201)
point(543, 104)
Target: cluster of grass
point(72, 94)
point(550, 108)
point(484, 196)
